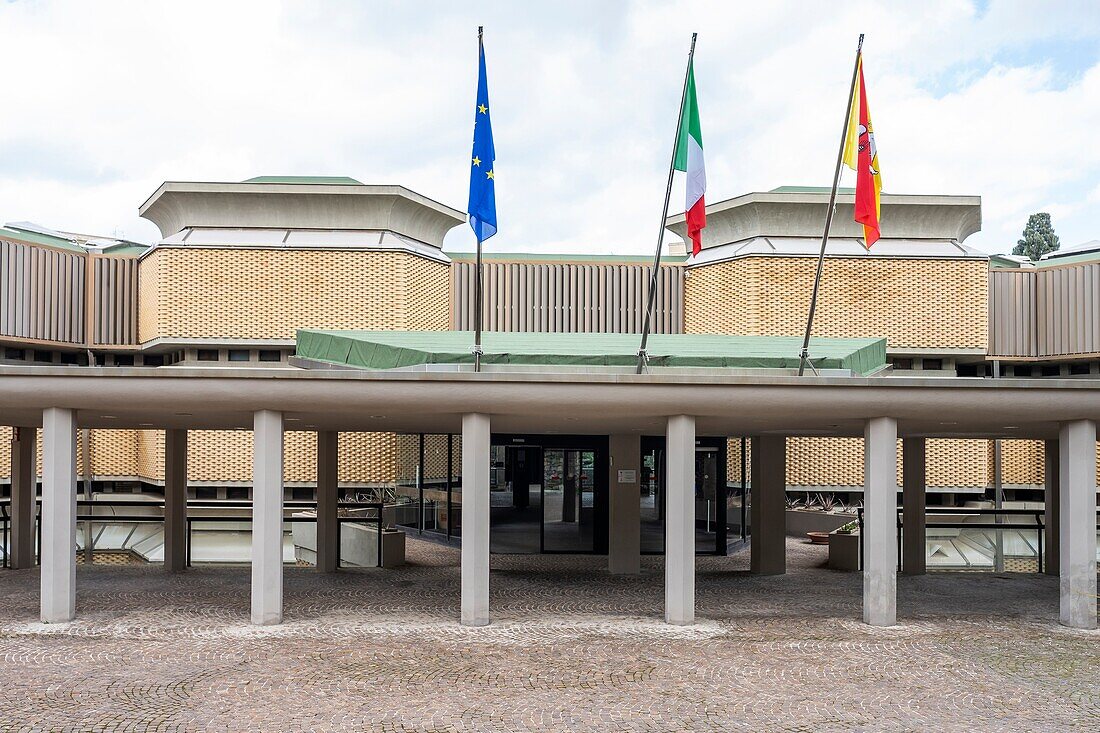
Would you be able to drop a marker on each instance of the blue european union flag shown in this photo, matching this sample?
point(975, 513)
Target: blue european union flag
point(483, 199)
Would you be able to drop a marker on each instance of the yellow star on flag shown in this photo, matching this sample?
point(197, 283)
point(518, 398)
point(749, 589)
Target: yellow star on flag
point(489, 174)
point(477, 160)
point(482, 108)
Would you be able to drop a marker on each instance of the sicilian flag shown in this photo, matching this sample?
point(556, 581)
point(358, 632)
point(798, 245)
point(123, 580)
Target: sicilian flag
point(689, 158)
point(861, 155)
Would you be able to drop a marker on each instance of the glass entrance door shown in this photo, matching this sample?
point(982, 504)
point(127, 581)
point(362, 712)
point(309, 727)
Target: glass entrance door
point(515, 498)
point(709, 496)
point(568, 500)
point(706, 499)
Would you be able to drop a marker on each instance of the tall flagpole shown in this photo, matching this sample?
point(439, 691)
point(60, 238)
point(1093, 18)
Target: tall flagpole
point(804, 355)
point(642, 356)
point(477, 275)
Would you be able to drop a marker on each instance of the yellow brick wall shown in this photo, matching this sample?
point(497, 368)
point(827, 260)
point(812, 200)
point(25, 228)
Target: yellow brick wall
point(1022, 462)
point(949, 462)
point(913, 303)
point(148, 305)
point(226, 456)
point(267, 294)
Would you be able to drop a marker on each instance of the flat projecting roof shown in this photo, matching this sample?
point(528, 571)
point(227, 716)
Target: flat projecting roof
point(799, 212)
point(403, 349)
point(723, 403)
point(303, 202)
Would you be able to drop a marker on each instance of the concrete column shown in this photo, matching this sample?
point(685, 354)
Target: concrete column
point(58, 599)
point(475, 519)
point(328, 494)
point(1077, 523)
point(880, 521)
point(24, 492)
point(680, 521)
point(913, 488)
point(267, 518)
point(175, 500)
point(1050, 508)
point(624, 549)
point(768, 473)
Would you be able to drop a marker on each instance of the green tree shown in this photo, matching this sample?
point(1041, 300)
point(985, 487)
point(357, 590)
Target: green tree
point(1039, 237)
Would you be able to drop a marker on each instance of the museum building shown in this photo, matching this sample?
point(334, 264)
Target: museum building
point(292, 294)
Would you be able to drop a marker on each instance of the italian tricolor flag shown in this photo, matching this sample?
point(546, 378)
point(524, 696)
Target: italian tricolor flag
point(689, 158)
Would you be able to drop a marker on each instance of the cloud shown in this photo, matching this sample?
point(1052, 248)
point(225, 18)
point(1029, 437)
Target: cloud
point(116, 97)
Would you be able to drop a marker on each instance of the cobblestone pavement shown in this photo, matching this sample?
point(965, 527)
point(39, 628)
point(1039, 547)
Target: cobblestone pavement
point(570, 649)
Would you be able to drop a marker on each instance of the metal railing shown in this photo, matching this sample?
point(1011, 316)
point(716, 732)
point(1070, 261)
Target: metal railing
point(93, 519)
point(1037, 514)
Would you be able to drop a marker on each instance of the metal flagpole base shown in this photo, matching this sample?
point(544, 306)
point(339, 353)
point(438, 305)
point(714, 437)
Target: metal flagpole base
point(477, 352)
point(643, 360)
point(804, 357)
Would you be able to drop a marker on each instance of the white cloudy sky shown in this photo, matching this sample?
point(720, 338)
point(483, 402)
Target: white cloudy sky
point(106, 100)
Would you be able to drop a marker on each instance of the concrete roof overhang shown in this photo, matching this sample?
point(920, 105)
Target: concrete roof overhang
point(176, 205)
point(225, 398)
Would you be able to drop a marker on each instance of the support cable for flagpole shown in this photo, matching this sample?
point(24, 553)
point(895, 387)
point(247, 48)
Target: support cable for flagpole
point(643, 357)
point(804, 355)
point(477, 273)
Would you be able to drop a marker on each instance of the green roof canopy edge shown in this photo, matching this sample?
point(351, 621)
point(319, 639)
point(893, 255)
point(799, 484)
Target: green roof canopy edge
point(307, 180)
point(396, 349)
point(37, 238)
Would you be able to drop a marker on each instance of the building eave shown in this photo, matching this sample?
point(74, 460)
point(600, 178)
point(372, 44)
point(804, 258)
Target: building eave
point(802, 214)
point(176, 205)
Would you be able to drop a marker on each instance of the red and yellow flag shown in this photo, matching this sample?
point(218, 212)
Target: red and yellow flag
point(861, 155)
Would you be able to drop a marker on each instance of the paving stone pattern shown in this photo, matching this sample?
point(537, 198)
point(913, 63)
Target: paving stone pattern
point(570, 649)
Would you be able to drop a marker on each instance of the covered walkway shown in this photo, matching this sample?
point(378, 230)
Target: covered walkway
point(681, 405)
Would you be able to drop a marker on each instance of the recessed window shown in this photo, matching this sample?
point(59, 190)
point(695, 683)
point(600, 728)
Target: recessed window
point(933, 364)
point(124, 359)
point(238, 355)
point(208, 355)
point(46, 356)
point(154, 360)
point(301, 493)
point(237, 493)
point(68, 357)
point(1051, 370)
point(13, 354)
point(969, 370)
point(1021, 371)
point(1080, 368)
point(206, 493)
point(270, 355)
point(903, 363)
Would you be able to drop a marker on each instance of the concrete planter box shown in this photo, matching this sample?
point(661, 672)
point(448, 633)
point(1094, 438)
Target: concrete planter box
point(358, 544)
point(844, 551)
point(801, 521)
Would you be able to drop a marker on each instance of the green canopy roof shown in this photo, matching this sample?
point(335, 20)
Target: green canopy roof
point(396, 349)
point(307, 180)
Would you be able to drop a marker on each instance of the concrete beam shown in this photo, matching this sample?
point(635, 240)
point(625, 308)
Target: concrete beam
point(58, 582)
point(880, 529)
point(328, 495)
point(913, 489)
point(1051, 566)
point(175, 500)
point(24, 494)
point(1077, 525)
point(680, 521)
point(267, 518)
point(768, 473)
point(624, 550)
point(475, 519)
